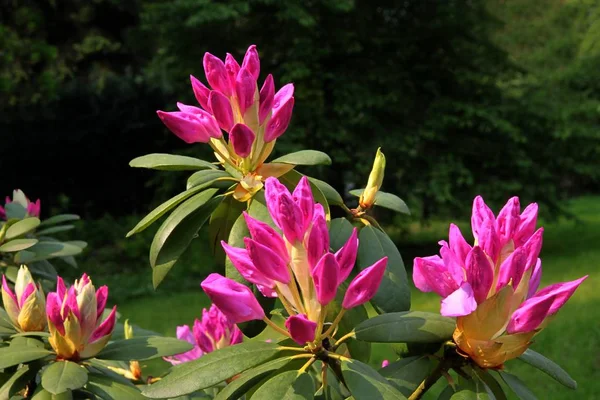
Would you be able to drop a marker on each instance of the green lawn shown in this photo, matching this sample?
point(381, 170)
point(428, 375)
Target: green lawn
point(570, 250)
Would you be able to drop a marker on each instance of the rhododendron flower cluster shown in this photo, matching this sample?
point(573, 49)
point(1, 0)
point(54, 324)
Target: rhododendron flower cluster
point(214, 331)
point(252, 118)
point(26, 306)
point(32, 208)
point(295, 265)
point(492, 286)
point(75, 319)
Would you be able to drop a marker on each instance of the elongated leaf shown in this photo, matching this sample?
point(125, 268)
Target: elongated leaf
point(178, 230)
point(492, 384)
point(221, 223)
point(393, 293)
point(55, 229)
point(206, 177)
point(304, 157)
point(211, 369)
point(332, 195)
point(47, 249)
point(517, 386)
point(59, 219)
point(386, 200)
point(406, 374)
point(107, 388)
point(15, 355)
point(19, 379)
point(291, 179)
point(15, 210)
point(62, 376)
point(366, 384)
point(43, 269)
point(288, 385)
point(406, 327)
point(17, 245)
point(43, 394)
point(22, 227)
point(169, 162)
point(162, 210)
point(473, 389)
point(340, 230)
point(248, 379)
point(143, 348)
point(548, 366)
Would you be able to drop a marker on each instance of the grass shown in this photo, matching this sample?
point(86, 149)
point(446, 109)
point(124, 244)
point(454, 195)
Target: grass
point(571, 250)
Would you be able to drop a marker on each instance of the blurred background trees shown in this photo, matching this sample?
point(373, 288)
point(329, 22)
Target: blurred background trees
point(465, 97)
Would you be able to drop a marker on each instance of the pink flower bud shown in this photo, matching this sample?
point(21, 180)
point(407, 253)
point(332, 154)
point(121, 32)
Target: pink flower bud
point(251, 62)
point(527, 222)
point(317, 243)
point(325, 277)
point(481, 212)
point(488, 239)
point(457, 243)
point(267, 93)
point(267, 261)
point(508, 220)
point(480, 273)
point(267, 236)
point(431, 275)
point(241, 138)
point(303, 197)
point(536, 277)
point(242, 262)
point(385, 363)
point(365, 285)
point(282, 96)
point(221, 109)
point(460, 302)
point(232, 67)
point(245, 89)
point(186, 126)
point(184, 333)
point(301, 328)
point(216, 74)
point(201, 93)
point(284, 211)
point(34, 209)
point(208, 122)
point(279, 121)
point(235, 300)
point(512, 269)
point(346, 256)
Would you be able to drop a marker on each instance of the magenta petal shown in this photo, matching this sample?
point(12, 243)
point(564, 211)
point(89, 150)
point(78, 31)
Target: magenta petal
point(460, 302)
point(264, 234)
point(216, 74)
point(536, 277)
point(29, 289)
point(221, 109)
point(529, 315)
point(301, 329)
point(365, 285)
point(481, 212)
point(346, 256)
point(527, 222)
point(2, 213)
point(267, 261)
point(53, 308)
point(186, 126)
point(488, 239)
point(8, 291)
point(251, 62)
point(101, 297)
point(430, 275)
point(454, 265)
point(183, 333)
point(245, 89)
point(61, 289)
point(303, 198)
point(241, 138)
point(325, 278)
point(480, 274)
point(71, 304)
point(201, 92)
point(560, 293)
point(512, 269)
point(106, 327)
point(279, 122)
point(282, 96)
point(533, 246)
point(273, 191)
point(242, 262)
point(317, 243)
point(234, 300)
point(267, 93)
point(267, 291)
point(458, 244)
point(233, 68)
point(508, 220)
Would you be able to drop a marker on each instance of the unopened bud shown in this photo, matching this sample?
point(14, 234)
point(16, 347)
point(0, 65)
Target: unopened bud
point(367, 198)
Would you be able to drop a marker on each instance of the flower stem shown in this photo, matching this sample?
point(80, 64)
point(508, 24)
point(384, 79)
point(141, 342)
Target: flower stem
point(275, 327)
point(295, 293)
point(308, 364)
point(344, 338)
point(320, 322)
point(291, 349)
point(431, 379)
point(286, 304)
point(336, 321)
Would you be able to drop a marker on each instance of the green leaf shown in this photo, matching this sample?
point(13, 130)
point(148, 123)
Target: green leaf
point(178, 230)
point(304, 157)
point(170, 162)
point(59, 219)
point(517, 386)
point(47, 249)
point(248, 379)
point(332, 195)
point(406, 327)
point(107, 388)
point(19, 379)
point(386, 200)
point(291, 179)
point(366, 384)
point(289, 385)
point(473, 389)
point(64, 375)
point(43, 269)
point(393, 293)
point(15, 210)
point(549, 367)
point(211, 369)
point(21, 227)
point(17, 245)
point(15, 355)
point(406, 374)
point(43, 394)
point(162, 210)
point(143, 348)
point(492, 384)
point(221, 223)
point(206, 178)
point(55, 229)
point(340, 230)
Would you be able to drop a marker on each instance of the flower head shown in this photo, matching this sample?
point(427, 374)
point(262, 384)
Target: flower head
point(492, 286)
point(214, 331)
point(26, 306)
point(32, 208)
point(293, 261)
point(75, 319)
point(253, 117)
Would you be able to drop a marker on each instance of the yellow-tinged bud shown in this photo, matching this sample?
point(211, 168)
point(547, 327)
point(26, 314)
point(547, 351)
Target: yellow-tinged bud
point(367, 198)
point(247, 187)
point(26, 306)
point(128, 330)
